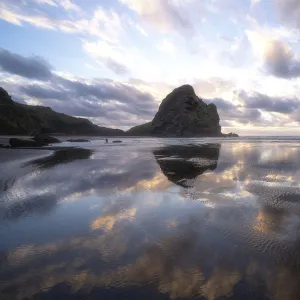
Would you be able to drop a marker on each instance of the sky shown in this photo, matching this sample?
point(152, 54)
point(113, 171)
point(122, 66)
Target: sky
point(114, 61)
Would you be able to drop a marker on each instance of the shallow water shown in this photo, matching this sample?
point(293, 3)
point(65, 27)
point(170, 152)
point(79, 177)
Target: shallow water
point(152, 219)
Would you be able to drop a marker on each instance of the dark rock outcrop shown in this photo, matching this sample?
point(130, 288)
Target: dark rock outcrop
point(46, 139)
point(22, 119)
point(18, 143)
point(182, 113)
point(13, 119)
point(141, 130)
point(231, 134)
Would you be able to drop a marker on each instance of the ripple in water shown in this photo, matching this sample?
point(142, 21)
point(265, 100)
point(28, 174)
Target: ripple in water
point(151, 219)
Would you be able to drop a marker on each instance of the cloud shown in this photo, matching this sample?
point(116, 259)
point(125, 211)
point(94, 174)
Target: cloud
point(255, 2)
point(289, 11)
point(105, 24)
point(113, 101)
point(241, 115)
point(109, 55)
point(212, 87)
point(41, 92)
point(277, 57)
point(164, 15)
point(280, 60)
point(166, 46)
point(116, 67)
point(69, 5)
point(15, 15)
point(33, 67)
point(221, 104)
point(117, 102)
point(270, 104)
point(48, 2)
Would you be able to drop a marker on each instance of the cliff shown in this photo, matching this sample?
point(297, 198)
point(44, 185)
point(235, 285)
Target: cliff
point(182, 113)
point(22, 119)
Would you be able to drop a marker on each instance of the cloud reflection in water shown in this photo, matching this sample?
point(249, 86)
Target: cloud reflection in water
point(206, 221)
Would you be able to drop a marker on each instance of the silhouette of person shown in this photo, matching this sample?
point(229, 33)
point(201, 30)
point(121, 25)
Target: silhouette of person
point(106, 140)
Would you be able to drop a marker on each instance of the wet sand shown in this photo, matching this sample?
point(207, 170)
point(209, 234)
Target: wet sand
point(151, 219)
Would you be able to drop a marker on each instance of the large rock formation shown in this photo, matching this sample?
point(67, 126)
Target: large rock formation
point(182, 113)
point(22, 119)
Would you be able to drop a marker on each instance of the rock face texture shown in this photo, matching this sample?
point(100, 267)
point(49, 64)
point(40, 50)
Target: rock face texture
point(182, 113)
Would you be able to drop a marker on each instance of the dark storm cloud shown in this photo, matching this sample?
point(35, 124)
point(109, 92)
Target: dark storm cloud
point(271, 104)
point(32, 67)
point(106, 90)
point(280, 61)
point(101, 98)
point(40, 92)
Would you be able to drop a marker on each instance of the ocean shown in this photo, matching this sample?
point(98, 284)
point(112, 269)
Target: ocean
point(151, 218)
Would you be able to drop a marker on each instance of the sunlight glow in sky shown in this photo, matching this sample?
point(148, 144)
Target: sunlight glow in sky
point(113, 61)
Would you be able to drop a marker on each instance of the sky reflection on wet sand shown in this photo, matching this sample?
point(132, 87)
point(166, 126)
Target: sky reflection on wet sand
point(208, 221)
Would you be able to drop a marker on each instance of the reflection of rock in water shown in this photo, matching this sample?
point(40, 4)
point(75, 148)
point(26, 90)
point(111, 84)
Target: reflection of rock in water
point(60, 157)
point(182, 163)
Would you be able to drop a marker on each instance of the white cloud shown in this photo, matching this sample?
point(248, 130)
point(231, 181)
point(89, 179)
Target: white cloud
point(48, 2)
point(68, 5)
point(137, 26)
point(103, 23)
point(65, 4)
point(108, 55)
point(164, 15)
point(276, 57)
point(141, 30)
point(255, 2)
point(9, 16)
point(106, 24)
point(166, 46)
